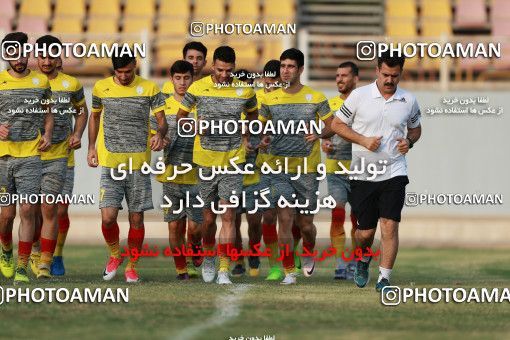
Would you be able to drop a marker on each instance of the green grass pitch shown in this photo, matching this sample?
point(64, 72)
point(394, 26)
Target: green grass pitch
point(316, 308)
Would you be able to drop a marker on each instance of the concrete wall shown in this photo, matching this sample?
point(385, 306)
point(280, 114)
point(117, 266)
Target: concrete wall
point(456, 154)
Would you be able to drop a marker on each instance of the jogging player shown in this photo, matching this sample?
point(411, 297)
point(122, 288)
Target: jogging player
point(119, 125)
point(385, 125)
point(24, 113)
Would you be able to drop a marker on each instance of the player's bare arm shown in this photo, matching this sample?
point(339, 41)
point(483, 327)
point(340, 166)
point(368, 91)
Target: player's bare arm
point(93, 131)
point(4, 131)
point(404, 144)
point(326, 132)
point(253, 115)
point(79, 127)
point(246, 142)
point(246, 135)
point(157, 141)
point(49, 121)
point(181, 114)
point(265, 140)
point(326, 145)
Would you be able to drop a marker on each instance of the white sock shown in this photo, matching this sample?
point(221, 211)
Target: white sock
point(384, 273)
point(340, 263)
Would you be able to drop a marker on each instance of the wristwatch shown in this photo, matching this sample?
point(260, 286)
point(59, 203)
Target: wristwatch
point(410, 143)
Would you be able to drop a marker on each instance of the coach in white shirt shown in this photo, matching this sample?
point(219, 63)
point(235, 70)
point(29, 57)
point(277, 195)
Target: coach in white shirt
point(385, 124)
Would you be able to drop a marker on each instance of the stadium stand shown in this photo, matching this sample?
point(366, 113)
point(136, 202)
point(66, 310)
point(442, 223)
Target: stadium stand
point(176, 27)
point(103, 25)
point(436, 9)
point(500, 19)
point(104, 8)
point(96, 66)
point(67, 25)
point(63, 9)
point(436, 16)
point(333, 26)
point(342, 16)
point(137, 24)
point(500, 10)
point(179, 9)
point(401, 16)
point(284, 13)
point(339, 18)
point(172, 20)
point(137, 8)
point(5, 24)
point(271, 49)
point(247, 55)
point(209, 10)
point(401, 19)
point(244, 11)
point(470, 15)
point(166, 52)
point(401, 9)
point(7, 14)
point(32, 24)
point(35, 8)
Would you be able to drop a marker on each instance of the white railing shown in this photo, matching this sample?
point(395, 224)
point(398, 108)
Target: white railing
point(444, 67)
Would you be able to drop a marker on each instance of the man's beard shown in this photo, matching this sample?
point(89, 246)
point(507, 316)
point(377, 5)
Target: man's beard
point(346, 88)
point(15, 68)
point(47, 72)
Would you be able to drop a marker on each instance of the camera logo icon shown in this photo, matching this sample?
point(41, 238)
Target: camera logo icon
point(11, 50)
point(366, 50)
point(411, 199)
point(197, 29)
point(5, 199)
point(187, 127)
point(391, 296)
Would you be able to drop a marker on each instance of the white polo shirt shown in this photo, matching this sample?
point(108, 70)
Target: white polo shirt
point(371, 115)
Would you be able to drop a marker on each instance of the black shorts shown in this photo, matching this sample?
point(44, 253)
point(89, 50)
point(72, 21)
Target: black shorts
point(373, 200)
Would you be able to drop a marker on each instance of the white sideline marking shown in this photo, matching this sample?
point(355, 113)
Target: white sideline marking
point(227, 307)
